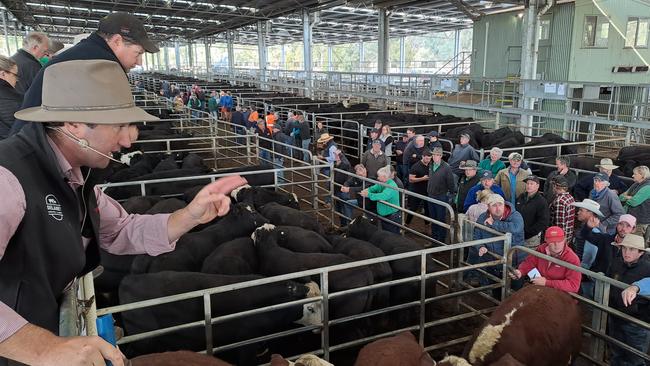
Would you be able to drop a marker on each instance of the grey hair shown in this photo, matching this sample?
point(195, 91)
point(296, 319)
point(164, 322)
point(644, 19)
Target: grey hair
point(6, 63)
point(359, 167)
point(35, 38)
point(384, 171)
point(497, 151)
point(643, 170)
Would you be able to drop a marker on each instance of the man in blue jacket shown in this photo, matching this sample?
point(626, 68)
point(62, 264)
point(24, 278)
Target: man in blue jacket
point(502, 217)
point(120, 37)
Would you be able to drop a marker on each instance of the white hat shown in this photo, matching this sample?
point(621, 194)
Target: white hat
point(589, 205)
point(606, 164)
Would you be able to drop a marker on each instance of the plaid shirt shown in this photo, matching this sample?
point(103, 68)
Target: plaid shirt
point(563, 214)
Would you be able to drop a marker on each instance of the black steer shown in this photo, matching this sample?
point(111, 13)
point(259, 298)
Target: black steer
point(192, 248)
point(282, 215)
point(236, 257)
point(168, 205)
point(140, 204)
point(259, 196)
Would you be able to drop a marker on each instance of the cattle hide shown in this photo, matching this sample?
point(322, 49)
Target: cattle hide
point(168, 205)
point(259, 196)
point(402, 349)
point(282, 215)
point(192, 248)
point(536, 326)
point(178, 358)
point(236, 257)
point(154, 285)
point(169, 163)
point(302, 240)
point(140, 204)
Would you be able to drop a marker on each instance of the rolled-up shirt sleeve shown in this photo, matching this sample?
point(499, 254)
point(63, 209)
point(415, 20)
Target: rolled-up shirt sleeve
point(12, 212)
point(124, 233)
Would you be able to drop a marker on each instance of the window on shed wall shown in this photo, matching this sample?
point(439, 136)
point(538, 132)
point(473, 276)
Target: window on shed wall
point(319, 57)
point(636, 34)
point(596, 32)
point(219, 55)
point(370, 56)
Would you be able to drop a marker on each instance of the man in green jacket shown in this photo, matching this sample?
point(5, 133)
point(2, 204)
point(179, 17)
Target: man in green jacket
point(391, 215)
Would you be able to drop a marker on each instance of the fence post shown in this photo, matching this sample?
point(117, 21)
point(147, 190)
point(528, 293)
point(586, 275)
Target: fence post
point(599, 319)
point(325, 333)
point(507, 242)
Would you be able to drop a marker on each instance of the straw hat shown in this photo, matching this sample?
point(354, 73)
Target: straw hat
point(324, 138)
point(606, 164)
point(86, 91)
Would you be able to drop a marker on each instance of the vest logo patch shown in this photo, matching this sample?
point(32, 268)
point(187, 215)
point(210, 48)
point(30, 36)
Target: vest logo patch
point(53, 207)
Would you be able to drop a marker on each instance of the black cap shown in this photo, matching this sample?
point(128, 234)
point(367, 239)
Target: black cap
point(127, 26)
point(534, 178)
point(426, 152)
point(560, 181)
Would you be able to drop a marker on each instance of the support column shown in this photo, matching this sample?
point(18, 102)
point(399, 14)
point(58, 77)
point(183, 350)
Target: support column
point(283, 57)
point(528, 69)
point(208, 58)
point(306, 41)
point(456, 52)
point(402, 55)
point(261, 50)
point(177, 47)
point(382, 42)
point(6, 31)
point(231, 54)
point(16, 36)
point(362, 56)
point(190, 55)
point(166, 56)
point(330, 67)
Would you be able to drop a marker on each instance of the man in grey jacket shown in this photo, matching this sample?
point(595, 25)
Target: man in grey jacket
point(610, 205)
point(462, 152)
point(440, 187)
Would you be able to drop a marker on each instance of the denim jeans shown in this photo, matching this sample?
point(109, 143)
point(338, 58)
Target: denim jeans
point(278, 163)
point(630, 334)
point(345, 207)
point(388, 226)
point(305, 155)
point(439, 213)
point(265, 157)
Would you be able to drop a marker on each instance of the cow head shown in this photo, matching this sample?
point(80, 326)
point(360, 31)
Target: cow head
point(236, 191)
point(245, 214)
point(262, 232)
point(312, 313)
point(361, 228)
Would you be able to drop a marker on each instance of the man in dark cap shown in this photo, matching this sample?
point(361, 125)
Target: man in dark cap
point(120, 37)
point(432, 141)
point(534, 209)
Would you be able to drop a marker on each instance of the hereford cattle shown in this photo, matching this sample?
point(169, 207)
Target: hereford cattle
point(178, 358)
point(259, 196)
point(192, 248)
point(154, 285)
point(282, 215)
point(276, 260)
point(536, 326)
point(236, 257)
point(402, 349)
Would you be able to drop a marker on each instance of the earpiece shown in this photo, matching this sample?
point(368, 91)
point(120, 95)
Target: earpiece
point(83, 143)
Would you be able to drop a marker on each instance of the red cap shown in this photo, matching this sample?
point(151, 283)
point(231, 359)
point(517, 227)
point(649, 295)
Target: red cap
point(554, 234)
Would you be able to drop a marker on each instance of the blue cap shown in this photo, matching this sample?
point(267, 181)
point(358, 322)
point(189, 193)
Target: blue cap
point(487, 174)
point(601, 176)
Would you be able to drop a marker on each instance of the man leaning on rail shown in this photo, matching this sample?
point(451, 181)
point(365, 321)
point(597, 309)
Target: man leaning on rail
point(53, 220)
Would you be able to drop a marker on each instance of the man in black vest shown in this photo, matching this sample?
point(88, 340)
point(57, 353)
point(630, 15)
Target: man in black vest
point(52, 224)
point(120, 37)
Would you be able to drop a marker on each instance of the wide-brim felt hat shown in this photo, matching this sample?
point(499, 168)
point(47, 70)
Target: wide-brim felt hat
point(86, 91)
point(606, 164)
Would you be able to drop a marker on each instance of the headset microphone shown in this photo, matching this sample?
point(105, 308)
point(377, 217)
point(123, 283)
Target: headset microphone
point(84, 144)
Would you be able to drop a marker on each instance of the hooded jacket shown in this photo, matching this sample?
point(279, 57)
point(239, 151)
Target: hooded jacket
point(510, 222)
point(556, 276)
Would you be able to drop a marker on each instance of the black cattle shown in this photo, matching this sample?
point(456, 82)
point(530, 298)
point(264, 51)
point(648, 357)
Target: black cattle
point(168, 205)
point(259, 196)
point(140, 204)
point(166, 188)
point(169, 163)
point(153, 285)
point(143, 166)
point(276, 260)
point(236, 257)
point(360, 250)
point(390, 243)
point(192, 248)
point(282, 215)
point(630, 157)
point(193, 161)
point(302, 240)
